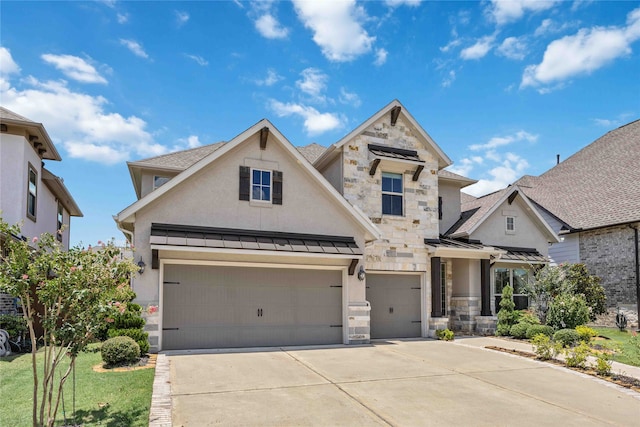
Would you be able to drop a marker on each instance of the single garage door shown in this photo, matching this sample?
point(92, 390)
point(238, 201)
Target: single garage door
point(395, 305)
point(216, 307)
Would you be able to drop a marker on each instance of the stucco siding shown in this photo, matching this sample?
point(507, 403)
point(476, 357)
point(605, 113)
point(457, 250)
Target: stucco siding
point(333, 173)
point(147, 178)
point(450, 194)
point(13, 178)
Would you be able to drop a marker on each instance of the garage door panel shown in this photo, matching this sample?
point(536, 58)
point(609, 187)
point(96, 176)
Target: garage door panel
point(212, 307)
point(395, 305)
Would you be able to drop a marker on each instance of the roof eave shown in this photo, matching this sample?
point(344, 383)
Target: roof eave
point(57, 187)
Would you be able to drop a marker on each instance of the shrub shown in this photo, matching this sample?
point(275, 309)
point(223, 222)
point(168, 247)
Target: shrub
point(566, 337)
point(528, 317)
point(534, 330)
point(506, 316)
point(138, 335)
point(543, 347)
point(603, 364)
point(585, 333)
point(567, 311)
point(519, 330)
point(120, 351)
point(14, 324)
point(445, 334)
point(582, 283)
point(576, 357)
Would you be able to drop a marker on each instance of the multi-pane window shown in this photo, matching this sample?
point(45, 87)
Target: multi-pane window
point(511, 224)
point(159, 181)
point(392, 193)
point(515, 277)
point(261, 185)
point(32, 193)
point(443, 287)
point(60, 221)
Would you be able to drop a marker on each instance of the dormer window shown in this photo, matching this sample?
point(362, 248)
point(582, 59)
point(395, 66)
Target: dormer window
point(261, 185)
point(392, 194)
point(511, 224)
point(159, 181)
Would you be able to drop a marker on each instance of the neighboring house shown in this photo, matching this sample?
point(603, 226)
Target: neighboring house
point(592, 200)
point(30, 195)
point(256, 243)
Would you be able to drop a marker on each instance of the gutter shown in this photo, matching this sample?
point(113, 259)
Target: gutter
point(125, 232)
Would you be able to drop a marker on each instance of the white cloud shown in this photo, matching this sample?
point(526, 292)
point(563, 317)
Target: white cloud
point(269, 27)
point(7, 64)
point(453, 43)
point(349, 98)
point(449, 79)
point(583, 53)
point(396, 3)
point(499, 141)
point(337, 28)
point(513, 48)
point(618, 121)
point(192, 141)
point(479, 49)
point(134, 47)
point(313, 83)
point(381, 57)
point(508, 171)
point(123, 18)
point(314, 122)
point(75, 68)
point(465, 166)
point(505, 11)
point(549, 26)
point(198, 59)
point(272, 78)
point(181, 18)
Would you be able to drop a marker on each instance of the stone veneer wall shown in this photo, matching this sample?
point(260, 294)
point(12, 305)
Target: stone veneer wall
point(609, 253)
point(401, 247)
point(463, 313)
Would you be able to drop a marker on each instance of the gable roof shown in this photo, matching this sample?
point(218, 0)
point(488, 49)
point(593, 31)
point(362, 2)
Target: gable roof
point(128, 214)
point(332, 150)
point(448, 176)
point(595, 187)
point(8, 117)
point(477, 211)
point(312, 151)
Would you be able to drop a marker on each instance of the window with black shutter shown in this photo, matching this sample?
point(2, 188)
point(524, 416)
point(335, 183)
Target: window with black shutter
point(260, 185)
point(245, 182)
point(277, 187)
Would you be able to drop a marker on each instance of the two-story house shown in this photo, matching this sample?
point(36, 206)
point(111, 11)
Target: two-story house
point(30, 194)
point(255, 242)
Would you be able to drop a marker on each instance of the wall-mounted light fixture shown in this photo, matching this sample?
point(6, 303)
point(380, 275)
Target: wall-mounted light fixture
point(141, 266)
point(361, 273)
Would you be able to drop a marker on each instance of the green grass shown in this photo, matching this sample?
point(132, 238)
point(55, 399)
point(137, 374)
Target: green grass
point(113, 399)
point(622, 340)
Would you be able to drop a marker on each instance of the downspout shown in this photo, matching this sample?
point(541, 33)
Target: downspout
point(127, 232)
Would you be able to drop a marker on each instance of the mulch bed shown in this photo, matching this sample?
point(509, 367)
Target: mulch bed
point(146, 362)
point(621, 380)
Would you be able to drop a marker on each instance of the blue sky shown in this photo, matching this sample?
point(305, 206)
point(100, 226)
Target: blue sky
point(502, 87)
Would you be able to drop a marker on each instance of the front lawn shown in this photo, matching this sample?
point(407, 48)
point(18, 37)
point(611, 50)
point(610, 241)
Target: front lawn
point(106, 399)
point(623, 341)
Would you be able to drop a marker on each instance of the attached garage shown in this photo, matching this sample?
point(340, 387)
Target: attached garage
point(395, 305)
point(230, 306)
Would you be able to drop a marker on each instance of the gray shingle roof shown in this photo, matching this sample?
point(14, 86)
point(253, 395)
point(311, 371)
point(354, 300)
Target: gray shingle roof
point(312, 151)
point(10, 115)
point(180, 160)
point(473, 209)
point(597, 186)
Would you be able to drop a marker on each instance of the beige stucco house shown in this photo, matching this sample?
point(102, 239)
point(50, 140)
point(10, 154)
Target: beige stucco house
point(30, 194)
point(255, 242)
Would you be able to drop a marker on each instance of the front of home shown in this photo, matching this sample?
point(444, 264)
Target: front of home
point(256, 243)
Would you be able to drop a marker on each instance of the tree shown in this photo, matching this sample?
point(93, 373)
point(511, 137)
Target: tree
point(580, 282)
point(506, 315)
point(71, 294)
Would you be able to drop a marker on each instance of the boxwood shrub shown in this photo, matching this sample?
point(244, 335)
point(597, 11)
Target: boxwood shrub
point(567, 337)
point(138, 335)
point(534, 330)
point(120, 351)
point(519, 330)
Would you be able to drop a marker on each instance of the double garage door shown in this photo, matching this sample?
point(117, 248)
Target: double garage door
point(217, 307)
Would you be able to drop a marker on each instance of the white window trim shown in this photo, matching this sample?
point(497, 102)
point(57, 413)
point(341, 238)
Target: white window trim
point(393, 193)
point(159, 176)
point(35, 195)
point(251, 199)
point(59, 220)
point(506, 224)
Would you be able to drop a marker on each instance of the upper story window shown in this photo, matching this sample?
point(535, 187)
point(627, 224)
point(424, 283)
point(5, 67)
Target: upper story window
point(392, 194)
point(32, 193)
point(60, 222)
point(261, 185)
point(159, 181)
point(511, 224)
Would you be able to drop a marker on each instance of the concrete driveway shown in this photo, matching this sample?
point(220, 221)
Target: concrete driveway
point(400, 383)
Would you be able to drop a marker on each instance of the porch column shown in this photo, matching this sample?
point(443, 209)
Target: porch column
point(436, 288)
point(485, 287)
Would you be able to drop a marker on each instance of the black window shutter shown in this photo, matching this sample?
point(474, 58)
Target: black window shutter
point(277, 187)
point(245, 182)
point(439, 207)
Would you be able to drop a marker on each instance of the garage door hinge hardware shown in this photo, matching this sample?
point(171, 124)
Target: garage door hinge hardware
point(170, 329)
point(416, 321)
point(259, 312)
point(171, 283)
point(335, 286)
point(335, 326)
point(416, 288)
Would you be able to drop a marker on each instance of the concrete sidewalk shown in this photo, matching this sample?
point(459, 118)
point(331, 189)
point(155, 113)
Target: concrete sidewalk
point(406, 382)
point(511, 344)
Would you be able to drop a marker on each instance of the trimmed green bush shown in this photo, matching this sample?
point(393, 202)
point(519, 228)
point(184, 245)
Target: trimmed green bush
point(528, 317)
point(445, 334)
point(567, 311)
point(534, 330)
point(130, 323)
point(138, 335)
point(519, 330)
point(586, 333)
point(120, 351)
point(14, 324)
point(566, 337)
point(576, 357)
point(544, 348)
point(506, 315)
